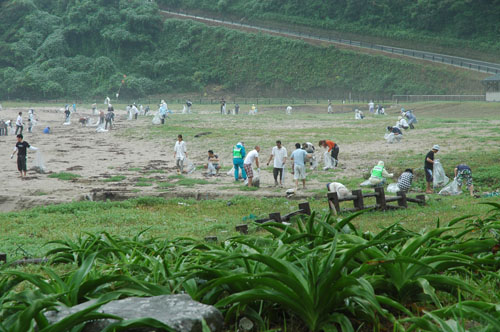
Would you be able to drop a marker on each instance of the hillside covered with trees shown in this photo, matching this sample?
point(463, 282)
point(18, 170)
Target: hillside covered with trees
point(450, 23)
point(85, 49)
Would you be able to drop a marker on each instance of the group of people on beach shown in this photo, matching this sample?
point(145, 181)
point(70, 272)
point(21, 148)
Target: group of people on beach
point(432, 168)
point(243, 162)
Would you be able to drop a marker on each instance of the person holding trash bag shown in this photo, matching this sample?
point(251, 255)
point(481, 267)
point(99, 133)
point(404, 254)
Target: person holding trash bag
point(247, 164)
point(333, 148)
point(429, 166)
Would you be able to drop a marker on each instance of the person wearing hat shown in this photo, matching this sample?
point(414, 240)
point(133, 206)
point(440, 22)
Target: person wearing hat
point(411, 118)
point(429, 166)
point(402, 123)
point(239, 154)
point(378, 175)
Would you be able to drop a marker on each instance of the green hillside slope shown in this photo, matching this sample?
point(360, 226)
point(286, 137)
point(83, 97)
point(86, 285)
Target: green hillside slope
point(462, 27)
point(51, 49)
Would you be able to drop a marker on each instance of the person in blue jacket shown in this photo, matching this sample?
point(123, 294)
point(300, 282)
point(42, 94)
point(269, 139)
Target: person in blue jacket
point(239, 154)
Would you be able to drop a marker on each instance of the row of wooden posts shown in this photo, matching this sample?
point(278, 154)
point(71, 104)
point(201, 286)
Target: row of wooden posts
point(357, 197)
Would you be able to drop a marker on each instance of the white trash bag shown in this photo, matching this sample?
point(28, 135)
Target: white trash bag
point(451, 189)
point(439, 177)
point(389, 137)
point(328, 160)
point(157, 119)
point(256, 179)
point(283, 175)
point(393, 188)
point(101, 127)
point(211, 169)
point(231, 171)
point(190, 168)
point(38, 164)
point(314, 163)
point(366, 183)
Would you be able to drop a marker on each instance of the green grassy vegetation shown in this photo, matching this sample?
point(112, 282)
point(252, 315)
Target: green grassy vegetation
point(460, 28)
point(321, 274)
point(115, 178)
point(143, 184)
point(191, 182)
point(165, 185)
point(32, 228)
point(64, 176)
point(41, 60)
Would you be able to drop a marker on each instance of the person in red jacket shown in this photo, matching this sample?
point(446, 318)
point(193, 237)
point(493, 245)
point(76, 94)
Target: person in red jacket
point(333, 148)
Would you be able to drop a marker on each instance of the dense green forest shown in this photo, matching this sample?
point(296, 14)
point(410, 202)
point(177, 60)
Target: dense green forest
point(86, 49)
point(467, 23)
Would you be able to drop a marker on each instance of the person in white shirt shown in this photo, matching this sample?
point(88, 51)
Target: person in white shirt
point(289, 110)
point(371, 106)
point(339, 188)
point(402, 123)
point(280, 154)
point(330, 108)
point(19, 123)
point(247, 164)
point(180, 154)
point(135, 111)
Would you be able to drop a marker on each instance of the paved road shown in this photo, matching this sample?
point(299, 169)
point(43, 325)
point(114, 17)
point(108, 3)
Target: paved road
point(471, 64)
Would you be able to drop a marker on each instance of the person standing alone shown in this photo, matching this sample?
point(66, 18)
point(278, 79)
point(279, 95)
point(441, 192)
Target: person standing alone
point(110, 116)
point(20, 149)
point(180, 153)
point(19, 123)
point(279, 154)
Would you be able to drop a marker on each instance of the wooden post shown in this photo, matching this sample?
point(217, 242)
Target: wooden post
point(358, 201)
point(305, 206)
point(243, 229)
point(421, 198)
point(333, 202)
point(276, 216)
point(380, 198)
point(402, 201)
point(3, 257)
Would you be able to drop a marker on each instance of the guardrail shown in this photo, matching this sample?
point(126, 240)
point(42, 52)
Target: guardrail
point(471, 64)
point(417, 98)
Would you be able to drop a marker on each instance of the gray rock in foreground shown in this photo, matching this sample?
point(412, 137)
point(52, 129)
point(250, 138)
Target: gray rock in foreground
point(179, 312)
